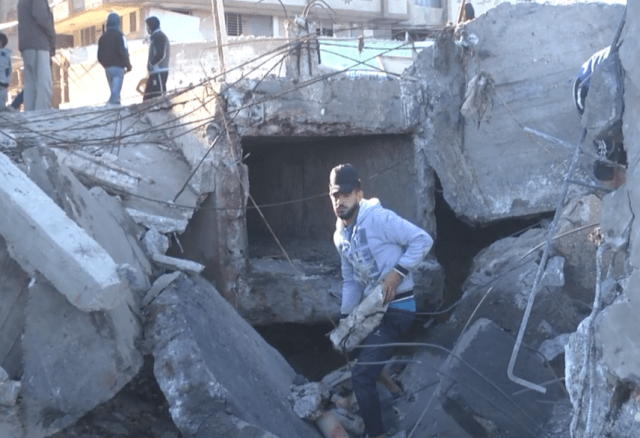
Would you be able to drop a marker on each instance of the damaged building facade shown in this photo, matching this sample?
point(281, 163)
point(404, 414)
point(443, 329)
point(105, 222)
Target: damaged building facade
point(166, 230)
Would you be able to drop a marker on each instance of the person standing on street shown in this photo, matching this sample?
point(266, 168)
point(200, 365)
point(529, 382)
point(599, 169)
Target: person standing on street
point(376, 246)
point(37, 43)
point(113, 55)
point(158, 65)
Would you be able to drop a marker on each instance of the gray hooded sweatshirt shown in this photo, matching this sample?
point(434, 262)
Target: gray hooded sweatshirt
point(380, 240)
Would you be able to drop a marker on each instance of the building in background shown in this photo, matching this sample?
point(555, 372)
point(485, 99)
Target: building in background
point(82, 20)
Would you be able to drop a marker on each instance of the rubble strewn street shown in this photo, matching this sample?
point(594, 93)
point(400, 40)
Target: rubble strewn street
point(166, 266)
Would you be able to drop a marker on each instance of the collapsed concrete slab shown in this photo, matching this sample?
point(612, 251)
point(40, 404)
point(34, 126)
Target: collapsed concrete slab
point(42, 238)
point(102, 218)
point(483, 400)
point(489, 167)
point(286, 108)
point(210, 364)
point(73, 360)
point(504, 272)
point(279, 294)
point(13, 301)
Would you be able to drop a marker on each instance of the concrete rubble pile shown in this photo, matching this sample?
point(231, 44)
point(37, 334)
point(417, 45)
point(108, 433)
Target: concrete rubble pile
point(124, 242)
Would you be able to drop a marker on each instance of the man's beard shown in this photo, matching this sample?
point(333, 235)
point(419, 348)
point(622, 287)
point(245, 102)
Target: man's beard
point(346, 215)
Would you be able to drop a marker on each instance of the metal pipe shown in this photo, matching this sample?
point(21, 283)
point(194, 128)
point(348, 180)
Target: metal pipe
point(540, 271)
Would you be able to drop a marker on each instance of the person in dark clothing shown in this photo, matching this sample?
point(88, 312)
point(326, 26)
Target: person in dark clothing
point(158, 64)
point(18, 100)
point(113, 55)
point(469, 12)
point(610, 148)
point(37, 43)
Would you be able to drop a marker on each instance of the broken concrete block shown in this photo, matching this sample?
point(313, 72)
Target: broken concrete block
point(163, 224)
point(553, 273)
point(361, 321)
point(552, 348)
point(158, 286)
point(10, 425)
point(505, 272)
point(13, 301)
point(9, 391)
point(617, 218)
point(278, 294)
point(101, 216)
point(41, 237)
point(103, 170)
point(209, 363)
point(309, 400)
point(155, 242)
point(177, 264)
point(482, 399)
point(618, 331)
point(7, 139)
point(495, 170)
point(73, 360)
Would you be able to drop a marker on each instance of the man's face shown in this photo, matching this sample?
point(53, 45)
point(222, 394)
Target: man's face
point(345, 205)
point(149, 31)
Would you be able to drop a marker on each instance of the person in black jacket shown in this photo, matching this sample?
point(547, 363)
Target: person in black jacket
point(158, 64)
point(113, 55)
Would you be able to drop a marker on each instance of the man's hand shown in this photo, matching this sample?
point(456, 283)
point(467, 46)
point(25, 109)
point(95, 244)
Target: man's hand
point(390, 283)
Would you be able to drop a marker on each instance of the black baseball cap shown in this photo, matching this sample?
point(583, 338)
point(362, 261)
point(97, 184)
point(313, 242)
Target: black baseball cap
point(343, 179)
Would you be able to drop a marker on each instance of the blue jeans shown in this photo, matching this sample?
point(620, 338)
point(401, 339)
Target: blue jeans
point(395, 323)
point(115, 76)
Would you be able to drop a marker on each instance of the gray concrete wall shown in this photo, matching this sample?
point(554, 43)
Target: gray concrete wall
point(531, 54)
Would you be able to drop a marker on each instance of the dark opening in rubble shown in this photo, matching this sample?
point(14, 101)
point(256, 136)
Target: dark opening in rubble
point(306, 347)
point(295, 171)
point(459, 242)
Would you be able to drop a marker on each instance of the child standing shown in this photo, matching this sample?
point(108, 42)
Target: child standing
point(5, 71)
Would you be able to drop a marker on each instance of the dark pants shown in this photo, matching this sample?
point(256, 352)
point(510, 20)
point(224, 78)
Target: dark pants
point(156, 85)
point(395, 323)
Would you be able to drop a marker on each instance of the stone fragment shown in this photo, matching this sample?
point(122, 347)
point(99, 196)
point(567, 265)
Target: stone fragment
point(7, 139)
point(9, 391)
point(618, 330)
point(209, 362)
point(101, 216)
point(163, 224)
point(617, 218)
point(102, 169)
point(73, 360)
point(278, 294)
point(155, 242)
point(552, 348)
point(500, 284)
point(309, 400)
point(158, 286)
point(41, 237)
point(13, 300)
point(478, 394)
point(10, 425)
point(553, 273)
point(177, 264)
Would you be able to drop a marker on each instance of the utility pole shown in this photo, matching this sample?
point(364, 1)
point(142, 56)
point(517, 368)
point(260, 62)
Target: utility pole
point(217, 11)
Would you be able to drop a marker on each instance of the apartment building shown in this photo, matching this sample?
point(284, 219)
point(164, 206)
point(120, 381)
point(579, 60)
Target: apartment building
point(81, 21)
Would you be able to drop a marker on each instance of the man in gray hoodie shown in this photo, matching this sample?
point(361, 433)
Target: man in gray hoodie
point(37, 42)
point(375, 246)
